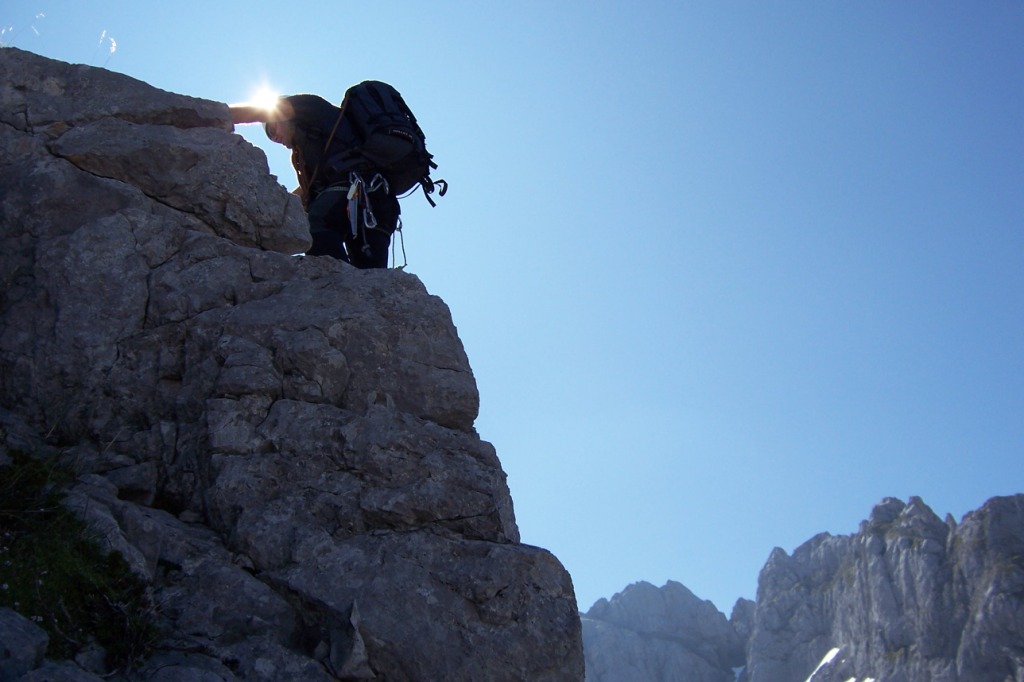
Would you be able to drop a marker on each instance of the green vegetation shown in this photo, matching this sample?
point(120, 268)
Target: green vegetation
point(53, 571)
point(896, 656)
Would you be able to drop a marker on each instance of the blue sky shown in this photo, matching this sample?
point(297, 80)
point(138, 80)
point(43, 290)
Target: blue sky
point(728, 273)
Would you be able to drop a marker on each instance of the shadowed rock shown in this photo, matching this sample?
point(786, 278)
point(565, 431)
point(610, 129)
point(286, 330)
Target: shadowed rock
point(282, 445)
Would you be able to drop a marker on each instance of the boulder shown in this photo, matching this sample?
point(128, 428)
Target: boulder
point(22, 645)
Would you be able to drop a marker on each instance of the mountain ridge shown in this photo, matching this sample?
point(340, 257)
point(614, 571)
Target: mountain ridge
point(907, 597)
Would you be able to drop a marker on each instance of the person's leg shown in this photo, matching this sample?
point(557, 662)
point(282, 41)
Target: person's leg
point(328, 222)
point(369, 248)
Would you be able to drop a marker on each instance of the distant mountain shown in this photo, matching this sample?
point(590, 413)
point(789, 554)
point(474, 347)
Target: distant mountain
point(909, 597)
point(646, 633)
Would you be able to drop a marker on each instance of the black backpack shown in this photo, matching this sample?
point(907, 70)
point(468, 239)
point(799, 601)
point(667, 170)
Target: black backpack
point(392, 142)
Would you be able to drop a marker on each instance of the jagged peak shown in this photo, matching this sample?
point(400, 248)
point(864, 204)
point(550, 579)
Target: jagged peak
point(883, 514)
point(887, 602)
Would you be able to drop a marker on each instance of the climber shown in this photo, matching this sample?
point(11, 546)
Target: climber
point(335, 179)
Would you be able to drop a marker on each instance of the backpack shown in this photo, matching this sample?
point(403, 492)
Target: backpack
point(392, 142)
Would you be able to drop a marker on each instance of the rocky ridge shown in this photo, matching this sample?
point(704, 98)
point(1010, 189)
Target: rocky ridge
point(282, 446)
point(909, 597)
point(648, 633)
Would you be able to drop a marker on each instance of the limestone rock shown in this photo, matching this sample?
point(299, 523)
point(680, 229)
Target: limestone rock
point(283, 446)
point(22, 645)
point(647, 633)
point(908, 597)
point(742, 618)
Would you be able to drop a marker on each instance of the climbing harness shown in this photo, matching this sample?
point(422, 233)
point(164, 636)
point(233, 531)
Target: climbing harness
point(358, 193)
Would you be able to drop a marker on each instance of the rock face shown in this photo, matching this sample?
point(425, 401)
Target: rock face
point(908, 597)
point(646, 634)
point(283, 445)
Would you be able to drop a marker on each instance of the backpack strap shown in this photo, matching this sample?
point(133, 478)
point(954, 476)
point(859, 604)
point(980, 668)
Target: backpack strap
point(428, 186)
point(330, 138)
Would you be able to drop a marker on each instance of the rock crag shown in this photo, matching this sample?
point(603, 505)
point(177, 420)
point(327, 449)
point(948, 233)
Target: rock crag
point(647, 633)
point(909, 597)
point(283, 446)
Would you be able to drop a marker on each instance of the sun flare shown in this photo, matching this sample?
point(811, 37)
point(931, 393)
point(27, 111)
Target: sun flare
point(264, 97)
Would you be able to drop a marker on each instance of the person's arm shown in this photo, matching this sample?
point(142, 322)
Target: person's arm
point(248, 113)
point(244, 113)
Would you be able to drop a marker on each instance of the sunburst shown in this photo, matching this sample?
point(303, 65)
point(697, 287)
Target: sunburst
point(265, 97)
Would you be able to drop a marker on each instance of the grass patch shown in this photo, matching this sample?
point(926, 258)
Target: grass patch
point(53, 570)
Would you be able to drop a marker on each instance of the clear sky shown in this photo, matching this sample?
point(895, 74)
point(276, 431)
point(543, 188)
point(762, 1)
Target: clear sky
point(728, 273)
